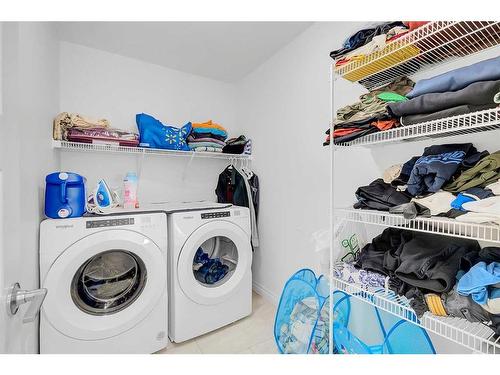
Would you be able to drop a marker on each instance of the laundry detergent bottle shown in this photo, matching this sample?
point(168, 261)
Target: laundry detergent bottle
point(130, 191)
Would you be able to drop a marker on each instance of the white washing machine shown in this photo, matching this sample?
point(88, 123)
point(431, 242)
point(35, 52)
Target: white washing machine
point(198, 305)
point(107, 284)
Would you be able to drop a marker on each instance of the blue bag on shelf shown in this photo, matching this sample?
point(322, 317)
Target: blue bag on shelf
point(361, 328)
point(154, 134)
point(301, 324)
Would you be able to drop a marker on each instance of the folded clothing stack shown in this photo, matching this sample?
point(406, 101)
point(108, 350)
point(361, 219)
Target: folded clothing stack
point(469, 89)
point(239, 145)
point(444, 275)
point(370, 113)
point(77, 128)
point(103, 136)
point(207, 136)
point(458, 92)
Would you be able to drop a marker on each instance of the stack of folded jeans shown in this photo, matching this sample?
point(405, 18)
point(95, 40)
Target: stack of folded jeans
point(207, 136)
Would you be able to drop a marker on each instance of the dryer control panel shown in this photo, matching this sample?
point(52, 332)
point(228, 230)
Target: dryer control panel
point(109, 223)
point(215, 215)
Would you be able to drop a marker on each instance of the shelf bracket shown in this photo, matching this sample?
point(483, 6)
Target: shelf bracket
point(186, 168)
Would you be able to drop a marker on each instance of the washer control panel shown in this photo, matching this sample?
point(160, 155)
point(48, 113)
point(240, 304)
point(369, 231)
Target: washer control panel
point(215, 215)
point(109, 223)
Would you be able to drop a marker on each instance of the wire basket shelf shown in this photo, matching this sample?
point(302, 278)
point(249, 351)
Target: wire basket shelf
point(434, 43)
point(437, 225)
point(96, 147)
point(474, 336)
point(469, 123)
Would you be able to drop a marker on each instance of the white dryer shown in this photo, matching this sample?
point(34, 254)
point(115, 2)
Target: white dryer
point(107, 284)
point(197, 306)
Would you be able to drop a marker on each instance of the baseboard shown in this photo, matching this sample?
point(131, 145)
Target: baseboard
point(264, 292)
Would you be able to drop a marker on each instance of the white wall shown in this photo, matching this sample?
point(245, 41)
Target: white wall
point(30, 100)
point(285, 105)
point(105, 85)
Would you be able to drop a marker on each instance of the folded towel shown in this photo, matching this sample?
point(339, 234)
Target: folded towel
point(192, 139)
point(209, 124)
point(197, 135)
point(209, 149)
point(215, 131)
point(204, 144)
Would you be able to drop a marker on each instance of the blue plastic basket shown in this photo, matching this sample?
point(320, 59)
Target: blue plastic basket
point(301, 324)
point(386, 333)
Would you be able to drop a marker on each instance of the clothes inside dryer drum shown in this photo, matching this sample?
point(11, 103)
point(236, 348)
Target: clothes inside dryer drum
point(214, 261)
point(108, 282)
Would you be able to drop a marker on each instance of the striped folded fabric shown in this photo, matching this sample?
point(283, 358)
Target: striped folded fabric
point(207, 148)
point(192, 139)
point(196, 145)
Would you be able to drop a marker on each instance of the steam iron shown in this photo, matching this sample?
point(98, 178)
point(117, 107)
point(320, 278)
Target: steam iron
point(103, 196)
point(103, 199)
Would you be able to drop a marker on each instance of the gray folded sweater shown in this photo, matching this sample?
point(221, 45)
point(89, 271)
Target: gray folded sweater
point(478, 93)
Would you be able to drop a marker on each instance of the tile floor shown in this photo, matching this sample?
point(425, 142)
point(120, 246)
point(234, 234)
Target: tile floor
point(251, 335)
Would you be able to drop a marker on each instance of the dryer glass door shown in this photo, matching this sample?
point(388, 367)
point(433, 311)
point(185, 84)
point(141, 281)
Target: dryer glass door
point(108, 282)
point(214, 262)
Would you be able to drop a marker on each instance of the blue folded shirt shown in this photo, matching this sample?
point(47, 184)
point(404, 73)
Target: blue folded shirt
point(487, 70)
point(210, 131)
point(476, 282)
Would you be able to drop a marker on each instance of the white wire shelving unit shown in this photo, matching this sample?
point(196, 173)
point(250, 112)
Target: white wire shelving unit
point(433, 44)
point(433, 224)
point(107, 148)
point(474, 122)
point(477, 337)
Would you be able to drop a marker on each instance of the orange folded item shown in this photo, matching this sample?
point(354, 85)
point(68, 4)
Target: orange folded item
point(385, 124)
point(208, 124)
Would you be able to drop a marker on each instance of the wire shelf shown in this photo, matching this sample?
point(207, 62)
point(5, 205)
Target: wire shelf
point(96, 147)
point(469, 123)
point(437, 225)
point(475, 336)
point(434, 43)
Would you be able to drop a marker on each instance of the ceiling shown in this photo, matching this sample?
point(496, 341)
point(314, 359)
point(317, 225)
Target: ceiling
point(225, 51)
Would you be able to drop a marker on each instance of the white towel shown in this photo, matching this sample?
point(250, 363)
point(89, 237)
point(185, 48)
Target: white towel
point(494, 187)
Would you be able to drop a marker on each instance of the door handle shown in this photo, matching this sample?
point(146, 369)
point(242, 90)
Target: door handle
point(17, 297)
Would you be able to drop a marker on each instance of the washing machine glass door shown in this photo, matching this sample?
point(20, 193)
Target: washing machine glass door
point(104, 284)
point(108, 282)
point(213, 262)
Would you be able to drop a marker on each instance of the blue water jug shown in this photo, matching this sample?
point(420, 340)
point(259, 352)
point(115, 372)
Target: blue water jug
point(64, 195)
